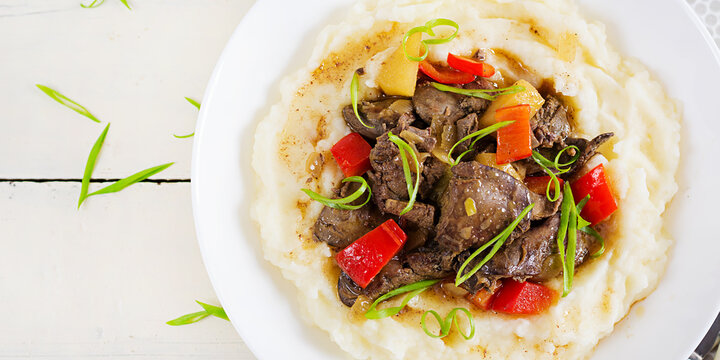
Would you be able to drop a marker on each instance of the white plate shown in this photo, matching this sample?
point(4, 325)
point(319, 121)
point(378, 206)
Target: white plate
point(276, 37)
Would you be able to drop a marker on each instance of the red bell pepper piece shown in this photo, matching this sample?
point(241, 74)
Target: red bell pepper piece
point(513, 141)
point(364, 258)
point(352, 153)
point(523, 298)
point(445, 75)
point(483, 298)
point(601, 203)
point(538, 184)
point(470, 66)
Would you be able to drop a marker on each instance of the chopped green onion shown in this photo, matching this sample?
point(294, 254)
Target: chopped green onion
point(446, 324)
point(90, 165)
point(412, 189)
point(130, 180)
point(354, 84)
point(184, 136)
point(496, 243)
point(572, 239)
point(93, 4)
point(428, 29)
point(542, 161)
point(584, 226)
point(479, 134)
point(489, 94)
point(126, 4)
point(413, 289)
point(195, 103)
point(342, 203)
point(72, 105)
point(562, 232)
point(559, 166)
point(208, 310)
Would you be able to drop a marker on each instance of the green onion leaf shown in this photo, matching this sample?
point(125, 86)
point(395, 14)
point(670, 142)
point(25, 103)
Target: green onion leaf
point(342, 203)
point(412, 189)
point(67, 102)
point(90, 165)
point(543, 162)
point(184, 136)
point(572, 238)
point(354, 85)
point(189, 318)
point(93, 4)
point(562, 232)
point(446, 324)
point(126, 4)
point(428, 29)
point(496, 243)
point(598, 237)
point(132, 179)
point(213, 310)
point(413, 289)
point(479, 134)
point(193, 102)
point(559, 166)
point(489, 94)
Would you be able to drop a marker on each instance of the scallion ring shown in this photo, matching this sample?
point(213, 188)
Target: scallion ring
point(354, 85)
point(496, 243)
point(543, 162)
point(413, 289)
point(404, 147)
point(446, 324)
point(488, 94)
point(479, 134)
point(342, 203)
point(559, 166)
point(428, 29)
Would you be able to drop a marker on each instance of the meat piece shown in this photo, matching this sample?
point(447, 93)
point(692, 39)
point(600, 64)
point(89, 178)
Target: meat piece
point(431, 103)
point(499, 199)
point(339, 228)
point(464, 127)
point(543, 207)
point(587, 151)
point(433, 171)
point(383, 115)
point(550, 125)
point(471, 104)
point(422, 215)
point(431, 261)
point(348, 290)
point(587, 148)
point(387, 178)
point(391, 277)
point(421, 138)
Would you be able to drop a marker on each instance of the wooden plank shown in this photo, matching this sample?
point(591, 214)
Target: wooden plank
point(101, 281)
point(130, 68)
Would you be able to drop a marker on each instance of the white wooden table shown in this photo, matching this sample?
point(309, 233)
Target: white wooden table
point(100, 282)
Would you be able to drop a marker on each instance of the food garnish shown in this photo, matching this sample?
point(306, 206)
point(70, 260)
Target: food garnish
point(364, 258)
point(197, 105)
point(96, 3)
point(478, 135)
point(496, 243)
point(354, 84)
point(546, 164)
point(208, 310)
point(413, 290)
point(412, 188)
point(62, 99)
point(90, 165)
point(344, 203)
point(446, 324)
point(428, 29)
point(130, 180)
point(488, 94)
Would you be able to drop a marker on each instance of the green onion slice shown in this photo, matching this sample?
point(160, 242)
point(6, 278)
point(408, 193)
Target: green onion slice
point(412, 188)
point(446, 324)
point(572, 239)
point(543, 162)
point(213, 310)
point(479, 135)
point(90, 165)
point(557, 163)
point(194, 103)
point(208, 310)
point(130, 180)
point(428, 29)
point(496, 243)
point(126, 4)
point(342, 203)
point(67, 102)
point(93, 4)
point(489, 94)
point(584, 226)
point(413, 290)
point(184, 136)
point(562, 232)
point(354, 85)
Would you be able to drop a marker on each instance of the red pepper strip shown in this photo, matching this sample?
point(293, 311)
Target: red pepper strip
point(482, 299)
point(352, 153)
point(539, 184)
point(523, 298)
point(470, 66)
point(513, 141)
point(601, 203)
point(365, 257)
point(445, 75)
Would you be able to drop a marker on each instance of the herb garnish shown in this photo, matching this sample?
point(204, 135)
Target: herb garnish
point(67, 102)
point(96, 3)
point(90, 165)
point(342, 203)
point(489, 94)
point(479, 134)
point(446, 324)
point(546, 164)
point(354, 85)
point(496, 243)
point(197, 105)
point(413, 289)
point(428, 29)
point(132, 179)
point(208, 310)
point(412, 189)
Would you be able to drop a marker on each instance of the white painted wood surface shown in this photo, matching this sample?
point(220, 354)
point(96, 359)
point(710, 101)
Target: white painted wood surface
point(100, 282)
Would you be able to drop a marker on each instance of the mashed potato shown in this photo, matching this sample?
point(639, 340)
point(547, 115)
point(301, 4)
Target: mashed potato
point(606, 93)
